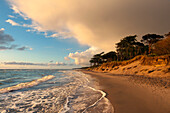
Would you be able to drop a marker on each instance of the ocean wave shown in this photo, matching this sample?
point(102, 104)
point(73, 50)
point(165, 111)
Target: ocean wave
point(79, 94)
point(26, 84)
point(90, 99)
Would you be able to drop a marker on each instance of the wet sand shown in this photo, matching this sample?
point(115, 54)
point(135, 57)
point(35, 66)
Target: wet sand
point(128, 96)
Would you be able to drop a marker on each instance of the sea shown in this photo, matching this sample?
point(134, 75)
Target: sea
point(51, 91)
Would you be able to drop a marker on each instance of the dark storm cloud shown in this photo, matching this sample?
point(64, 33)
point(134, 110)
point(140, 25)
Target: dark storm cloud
point(37, 64)
point(5, 38)
point(8, 48)
point(24, 63)
point(22, 48)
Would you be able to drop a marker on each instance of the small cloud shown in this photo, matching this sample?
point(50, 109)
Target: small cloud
point(16, 10)
point(82, 58)
point(34, 27)
point(28, 30)
point(45, 33)
point(59, 63)
point(69, 49)
point(11, 16)
point(2, 29)
point(2, 48)
point(54, 35)
point(24, 48)
point(24, 63)
point(12, 22)
point(67, 58)
point(27, 25)
point(5, 38)
point(5, 41)
point(61, 34)
point(37, 64)
point(13, 46)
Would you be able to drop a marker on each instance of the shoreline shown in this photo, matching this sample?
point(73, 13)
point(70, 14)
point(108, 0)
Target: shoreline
point(128, 95)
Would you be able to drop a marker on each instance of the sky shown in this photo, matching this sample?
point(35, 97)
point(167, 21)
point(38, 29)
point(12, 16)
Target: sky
point(55, 34)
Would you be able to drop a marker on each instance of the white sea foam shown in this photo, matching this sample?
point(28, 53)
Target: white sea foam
point(103, 95)
point(26, 84)
point(65, 108)
point(78, 95)
point(86, 87)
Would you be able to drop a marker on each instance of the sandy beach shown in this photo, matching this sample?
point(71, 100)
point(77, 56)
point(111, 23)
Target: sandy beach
point(128, 96)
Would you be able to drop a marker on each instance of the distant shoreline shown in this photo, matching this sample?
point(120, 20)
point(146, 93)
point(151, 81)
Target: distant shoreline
point(130, 94)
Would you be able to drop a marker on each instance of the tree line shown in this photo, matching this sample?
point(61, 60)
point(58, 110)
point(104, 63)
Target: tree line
point(129, 47)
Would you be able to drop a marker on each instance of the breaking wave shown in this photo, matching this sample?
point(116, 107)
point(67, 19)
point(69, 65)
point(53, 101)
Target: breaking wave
point(78, 93)
point(26, 85)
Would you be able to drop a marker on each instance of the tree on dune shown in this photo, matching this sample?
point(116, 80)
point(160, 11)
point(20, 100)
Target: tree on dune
point(150, 39)
point(126, 47)
point(139, 47)
point(96, 59)
point(129, 47)
point(110, 56)
point(91, 62)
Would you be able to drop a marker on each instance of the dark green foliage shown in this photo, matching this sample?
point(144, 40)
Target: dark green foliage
point(129, 47)
point(126, 47)
point(150, 39)
point(110, 56)
point(100, 58)
point(97, 59)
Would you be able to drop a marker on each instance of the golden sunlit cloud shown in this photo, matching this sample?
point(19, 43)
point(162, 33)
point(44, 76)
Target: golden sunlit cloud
point(98, 23)
point(82, 58)
point(12, 22)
